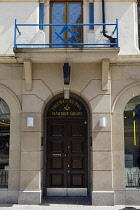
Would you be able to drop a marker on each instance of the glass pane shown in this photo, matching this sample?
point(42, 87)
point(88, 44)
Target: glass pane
point(139, 23)
point(75, 17)
point(132, 142)
point(4, 109)
point(58, 17)
point(4, 142)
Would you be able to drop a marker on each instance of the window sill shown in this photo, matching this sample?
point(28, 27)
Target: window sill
point(132, 188)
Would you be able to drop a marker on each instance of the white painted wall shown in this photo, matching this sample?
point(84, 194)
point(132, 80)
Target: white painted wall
point(126, 13)
point(24, 13)
point(28, 12)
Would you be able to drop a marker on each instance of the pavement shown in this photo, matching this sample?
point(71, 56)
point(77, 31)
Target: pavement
point(65, 203)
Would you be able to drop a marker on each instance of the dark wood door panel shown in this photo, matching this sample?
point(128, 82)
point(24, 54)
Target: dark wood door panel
point(77, 180)
point(76, 130)
point(57, 163)
point(77, 146)
point(67, 154)
point(56, 160)
point(56, 146)
point(57, 180)
point(77, 163)
point(56, 129)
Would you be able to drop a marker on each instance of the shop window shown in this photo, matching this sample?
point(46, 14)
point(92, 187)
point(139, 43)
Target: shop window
point(4, 142)
point(139, 22)
point(66, 12)
point(132, 142)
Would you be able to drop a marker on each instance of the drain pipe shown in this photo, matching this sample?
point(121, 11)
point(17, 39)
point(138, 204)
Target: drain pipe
point(104, 21)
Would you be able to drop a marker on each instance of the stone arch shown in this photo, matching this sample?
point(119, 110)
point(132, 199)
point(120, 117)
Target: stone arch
point(10, 98)
point(118, 134)
point(15, 120)
point(125, 95)
point(87, 108)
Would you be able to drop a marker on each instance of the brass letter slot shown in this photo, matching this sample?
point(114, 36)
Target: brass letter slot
point(57, 155)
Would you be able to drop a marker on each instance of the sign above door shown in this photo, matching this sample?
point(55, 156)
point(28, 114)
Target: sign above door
point(67, 108)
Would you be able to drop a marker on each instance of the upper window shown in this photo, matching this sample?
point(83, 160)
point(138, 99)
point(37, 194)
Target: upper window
point(132, 142)
point(66, 12)
point(139, 22)
point(4, 142)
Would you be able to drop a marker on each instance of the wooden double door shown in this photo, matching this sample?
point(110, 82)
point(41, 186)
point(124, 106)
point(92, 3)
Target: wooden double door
point(67, 159)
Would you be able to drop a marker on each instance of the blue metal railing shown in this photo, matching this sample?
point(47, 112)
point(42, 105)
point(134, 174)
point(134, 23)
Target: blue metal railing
point(66, 43)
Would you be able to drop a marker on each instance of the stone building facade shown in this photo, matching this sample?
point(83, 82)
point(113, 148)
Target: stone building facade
point(69, 114)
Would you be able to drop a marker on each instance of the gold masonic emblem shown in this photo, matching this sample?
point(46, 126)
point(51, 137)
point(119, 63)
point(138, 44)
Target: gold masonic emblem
point(67, 107)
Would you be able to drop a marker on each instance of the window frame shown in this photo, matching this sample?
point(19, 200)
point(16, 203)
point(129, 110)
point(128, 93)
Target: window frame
point(138, 14)
point(6, 148)
point(132, 142)
point(66, 16)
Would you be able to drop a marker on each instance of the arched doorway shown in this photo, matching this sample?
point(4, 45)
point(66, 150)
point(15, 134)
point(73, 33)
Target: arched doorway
point(66, 147)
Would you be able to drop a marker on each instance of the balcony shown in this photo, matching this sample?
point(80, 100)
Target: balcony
point(64, 39)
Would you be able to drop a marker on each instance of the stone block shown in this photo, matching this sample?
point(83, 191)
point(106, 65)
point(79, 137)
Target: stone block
point(118, 160)
point(102, 161)
point(119, 197)
point(15, 141)
point(14, 160)
point(128, 74)
point(118, 132)
point(101, 104)
point(31, 103)
point(15, 124)
point(119, 85)
point(116, 72)
point(31, 160)
point(101, 141)
point(30, 180)
point(96, 86)
point(17, 72)
point(5, 72)
point(132, 197)
point(95, 123)
point(12, 197)
point(31, 141)
point(103, 198)
point(119, 179)
point(118, 141)
point(14, 85)
point(119, 104)
point(29, 197)
point(37, 122)
point(39, 89)
point(14, 180)
point(10, 98)
point(3, 196)
point(102, 180)
point(51, 74)
point(87, 72)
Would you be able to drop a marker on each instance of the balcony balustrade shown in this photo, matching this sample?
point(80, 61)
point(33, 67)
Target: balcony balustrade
point(65, 35)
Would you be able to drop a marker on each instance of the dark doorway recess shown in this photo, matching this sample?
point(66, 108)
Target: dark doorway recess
point(66, 148)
